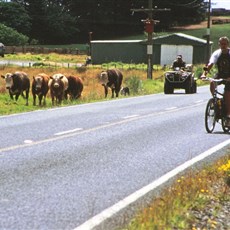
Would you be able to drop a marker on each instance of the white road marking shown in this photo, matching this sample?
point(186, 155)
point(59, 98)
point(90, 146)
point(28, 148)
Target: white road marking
point(68, 131)
point(200, 101)
point(131, 116)
point(106, 122)
point(28, 141)
point(109, 212)
point(171, 108)
point(92, 129)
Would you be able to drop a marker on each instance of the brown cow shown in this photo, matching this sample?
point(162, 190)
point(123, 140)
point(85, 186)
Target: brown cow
point(17, 83)
point(111, 78)
point(75, 87)
point(40, 88)
point(58, 84)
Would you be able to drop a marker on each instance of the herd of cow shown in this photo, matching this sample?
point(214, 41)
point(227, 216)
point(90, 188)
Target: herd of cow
point(61, 87)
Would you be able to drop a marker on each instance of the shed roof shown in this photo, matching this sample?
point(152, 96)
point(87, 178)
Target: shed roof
point(181, 37)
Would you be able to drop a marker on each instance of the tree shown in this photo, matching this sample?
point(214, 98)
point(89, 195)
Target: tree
point(60, 26)
point(15, 16)
point(65, 21)
point(110, 18)
point(11, 37)
point(51, 22)
point(182, 12)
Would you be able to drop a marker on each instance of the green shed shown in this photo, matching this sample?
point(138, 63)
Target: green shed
point(165, 50)
point(126, 51)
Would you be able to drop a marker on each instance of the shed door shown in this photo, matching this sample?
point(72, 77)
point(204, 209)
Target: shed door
point(169, 53)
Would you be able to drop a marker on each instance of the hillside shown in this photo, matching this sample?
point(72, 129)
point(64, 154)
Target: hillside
point(204, 24)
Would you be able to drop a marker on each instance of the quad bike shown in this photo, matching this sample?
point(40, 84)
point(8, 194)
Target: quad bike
point(180, 78)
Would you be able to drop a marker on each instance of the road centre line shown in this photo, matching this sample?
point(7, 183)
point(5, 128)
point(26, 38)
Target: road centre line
point(67, 131)
point(28, 141)
point(111, 211)
point(171, 108)
point(59, 137)
point(200, 101)
point(131, 116)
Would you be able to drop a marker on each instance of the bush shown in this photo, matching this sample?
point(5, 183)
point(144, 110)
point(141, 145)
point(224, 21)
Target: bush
point(134, 83)
point(11, 37)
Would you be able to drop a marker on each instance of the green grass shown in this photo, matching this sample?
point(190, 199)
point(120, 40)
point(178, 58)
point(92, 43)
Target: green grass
point(217, 31)
point(51, 57)
point(135, 79)
point(9, 106)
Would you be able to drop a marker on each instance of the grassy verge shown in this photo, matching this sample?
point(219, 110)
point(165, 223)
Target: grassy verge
point(54, 57)
point(196, 191)
point(135, 77)
point(93, 91)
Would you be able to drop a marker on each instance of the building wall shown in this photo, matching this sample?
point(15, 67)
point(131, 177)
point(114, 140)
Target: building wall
point(117, 52)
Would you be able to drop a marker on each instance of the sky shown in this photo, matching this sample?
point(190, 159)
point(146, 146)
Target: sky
point(221, 4)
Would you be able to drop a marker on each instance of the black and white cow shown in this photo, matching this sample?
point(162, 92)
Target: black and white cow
point(17, 83)
point(111, 78)
point(125, 91)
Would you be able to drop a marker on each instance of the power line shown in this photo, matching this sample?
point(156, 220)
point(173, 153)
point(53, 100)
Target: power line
point(149, 23)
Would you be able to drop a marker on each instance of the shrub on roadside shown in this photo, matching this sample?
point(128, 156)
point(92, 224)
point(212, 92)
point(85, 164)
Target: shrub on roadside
point(134, 83)
point(11, 37)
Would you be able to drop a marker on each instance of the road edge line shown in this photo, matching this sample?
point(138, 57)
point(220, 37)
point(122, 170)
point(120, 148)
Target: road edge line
point(98, 219)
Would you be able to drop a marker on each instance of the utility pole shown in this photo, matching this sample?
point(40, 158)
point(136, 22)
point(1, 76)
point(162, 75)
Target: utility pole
point(208, 31)
point(149, 28)
point(90, 46)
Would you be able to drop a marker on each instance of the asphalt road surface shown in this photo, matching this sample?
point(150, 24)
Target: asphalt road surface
point(60, 167)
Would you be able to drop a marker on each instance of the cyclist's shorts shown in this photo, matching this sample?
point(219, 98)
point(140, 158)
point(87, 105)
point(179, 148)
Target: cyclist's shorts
point(227, 84)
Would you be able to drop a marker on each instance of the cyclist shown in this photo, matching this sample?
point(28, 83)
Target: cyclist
point(178, 62)
point(221, 58)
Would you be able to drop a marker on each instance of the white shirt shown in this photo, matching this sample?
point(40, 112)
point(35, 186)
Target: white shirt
point(214, 57)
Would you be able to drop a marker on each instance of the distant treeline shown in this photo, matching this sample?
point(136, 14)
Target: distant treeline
point(78, 21)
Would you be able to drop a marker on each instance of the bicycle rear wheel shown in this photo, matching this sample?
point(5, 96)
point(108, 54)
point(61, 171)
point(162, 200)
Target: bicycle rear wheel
point(225, 128)
point(210, 116)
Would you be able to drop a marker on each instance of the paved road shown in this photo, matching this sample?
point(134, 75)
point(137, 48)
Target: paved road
point(60, 167)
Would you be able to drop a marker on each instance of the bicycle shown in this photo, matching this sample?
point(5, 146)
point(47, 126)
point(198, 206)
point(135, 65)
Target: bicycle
point(215, 109)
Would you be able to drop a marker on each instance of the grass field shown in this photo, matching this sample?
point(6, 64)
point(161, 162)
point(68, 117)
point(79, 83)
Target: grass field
point(93, 91)
point(217, 31)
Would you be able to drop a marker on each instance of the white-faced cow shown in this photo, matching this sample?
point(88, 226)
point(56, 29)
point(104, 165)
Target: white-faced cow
point(17, 83)
point(111, 78)
point(58, 84)
point(40, 88)
point(75, 87)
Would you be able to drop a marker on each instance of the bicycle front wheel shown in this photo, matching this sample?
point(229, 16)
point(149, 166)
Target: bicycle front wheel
point(210, 116)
